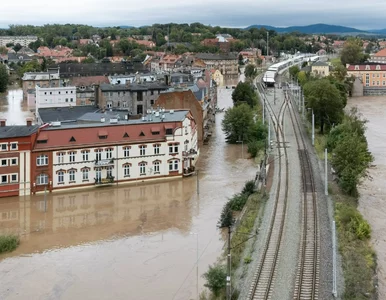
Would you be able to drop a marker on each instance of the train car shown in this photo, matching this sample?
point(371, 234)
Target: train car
point(269, 78)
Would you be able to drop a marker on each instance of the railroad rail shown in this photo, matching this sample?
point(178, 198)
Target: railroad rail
point(307, 278)
point(263, 280)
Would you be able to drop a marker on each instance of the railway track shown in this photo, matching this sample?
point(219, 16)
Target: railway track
point(307, 278)
point(263, 280)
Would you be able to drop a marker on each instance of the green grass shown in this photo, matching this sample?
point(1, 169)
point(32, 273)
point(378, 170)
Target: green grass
point(320, 144)
point(8, 243)
point(335, 61)
point(359, 259)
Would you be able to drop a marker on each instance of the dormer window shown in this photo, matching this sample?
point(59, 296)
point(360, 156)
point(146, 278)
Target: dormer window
point(356, 67)
point(378, 67)
point(367, 67)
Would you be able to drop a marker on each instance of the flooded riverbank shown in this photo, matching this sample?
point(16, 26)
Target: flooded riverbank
point(13, 108)
point(125, 242)
point(373, 190)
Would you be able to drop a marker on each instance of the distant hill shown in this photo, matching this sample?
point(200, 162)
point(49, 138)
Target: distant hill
point(310, 29)
point(378, 31)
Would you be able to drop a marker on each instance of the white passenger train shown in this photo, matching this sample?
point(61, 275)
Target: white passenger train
point(269, 77)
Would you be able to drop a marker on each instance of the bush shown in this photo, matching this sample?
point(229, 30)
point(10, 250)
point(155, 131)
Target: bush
point(8, 243)
point(226, 217)
point(249, 188)
point(215, 279)
point(238, 201)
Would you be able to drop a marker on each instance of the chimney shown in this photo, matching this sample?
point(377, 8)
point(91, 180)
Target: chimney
point(3, 122)
point(29, 121)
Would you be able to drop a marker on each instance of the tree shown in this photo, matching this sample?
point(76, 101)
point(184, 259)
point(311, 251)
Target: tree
point(237, 123)
point(250, 72)
point(215, 279)
point(17, 47)
point(3, 50)
point(352, 52)
point(302, 77)
point(294, 71)
point(241, 60)
point(244, 93)
point(3, 78)
point(31, 66)
point(325, 100)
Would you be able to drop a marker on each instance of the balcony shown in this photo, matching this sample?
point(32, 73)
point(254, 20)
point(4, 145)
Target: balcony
point(189, 154)
point(104, 162)
point(109, 180)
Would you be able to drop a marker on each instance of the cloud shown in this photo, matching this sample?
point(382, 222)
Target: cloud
point(356, 13)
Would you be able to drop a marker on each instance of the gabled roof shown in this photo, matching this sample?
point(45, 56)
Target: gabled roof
point(371, 67)
point(381, 53)
point(320, 64)
point(64, 114)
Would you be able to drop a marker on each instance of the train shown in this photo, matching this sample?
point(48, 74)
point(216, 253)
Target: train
point(269, 77)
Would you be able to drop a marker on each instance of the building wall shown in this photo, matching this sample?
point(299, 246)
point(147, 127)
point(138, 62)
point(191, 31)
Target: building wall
point(37, 170)
point(22, 40)
point(229, 68)
point(31, 84)
point(321, 70)
point(370, 78)
point(55, 97)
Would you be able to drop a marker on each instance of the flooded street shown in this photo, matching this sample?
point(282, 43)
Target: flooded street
point(124, 242)
point(372, 202)
point(13, 108)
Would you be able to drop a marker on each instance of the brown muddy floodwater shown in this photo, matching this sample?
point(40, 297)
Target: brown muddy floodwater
point(127, 242)
point(13, 108)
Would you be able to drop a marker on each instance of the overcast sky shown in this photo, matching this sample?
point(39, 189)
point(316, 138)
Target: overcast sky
point(360, 14)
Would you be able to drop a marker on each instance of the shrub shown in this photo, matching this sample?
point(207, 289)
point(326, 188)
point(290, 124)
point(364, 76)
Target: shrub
point(238, 201)
point(8, 243)
point(249, 188)
point(215, 279)
point(247, 260)
point(226, 217)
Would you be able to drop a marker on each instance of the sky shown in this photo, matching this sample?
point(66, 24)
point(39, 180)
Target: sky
point(359, 14)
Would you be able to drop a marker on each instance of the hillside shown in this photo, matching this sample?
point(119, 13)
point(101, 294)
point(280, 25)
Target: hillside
point(310, 29)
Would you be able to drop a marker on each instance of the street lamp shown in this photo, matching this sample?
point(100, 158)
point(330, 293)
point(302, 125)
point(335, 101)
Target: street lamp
point(196, 234)
point(242, 146)
point(313, 126)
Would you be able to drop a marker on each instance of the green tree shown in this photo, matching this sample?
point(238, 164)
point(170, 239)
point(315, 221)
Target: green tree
point(215, 279)
point(294, 71)
point(302, 77)
point(352, 52)
point(3, 78)
point(250, 72)
point(244, 93)
point(237, 123)
point(325, 100)
point(17, 47)
point(241, 59)
point(31, 66)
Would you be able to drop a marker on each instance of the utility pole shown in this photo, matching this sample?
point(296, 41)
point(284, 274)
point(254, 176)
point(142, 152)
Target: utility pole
point(198, 184)
point(267, 43)
point(334, 289)
point(313, 128)
point(325, 174)
point(269, 132)
point(229, 265)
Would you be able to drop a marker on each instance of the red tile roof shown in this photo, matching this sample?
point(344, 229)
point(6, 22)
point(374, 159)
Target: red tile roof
point(381, 53)
point(362, 67)
point(59, 138)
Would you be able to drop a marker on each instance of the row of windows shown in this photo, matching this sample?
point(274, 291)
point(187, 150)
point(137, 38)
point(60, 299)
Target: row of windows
point(9, 178)
point(8, 162)
point(43, 178)
point(124, 93)
point(43, 159)
point(71, 100)
point(45, 93)
point(6, 147)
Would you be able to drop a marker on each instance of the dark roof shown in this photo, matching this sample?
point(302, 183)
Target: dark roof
point(134, 86)
point(320, 64)
point(64, 114)
point(229, 56)
point(19, 56)
point(17, 131)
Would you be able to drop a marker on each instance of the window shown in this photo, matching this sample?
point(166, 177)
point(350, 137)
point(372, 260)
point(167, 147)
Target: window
point(152, 93)
point(85, 174)
point(156, 149)
point(42, 179)
point(142, 150)
point(60, 158)
point(42, 160)
point(4, 162)
point(109, 171)
point(4, 179)
point(377, 82)
point(156, 166)
point(60, 177)
point(126, 151)
point(98, 154)
point(4, 147)
point(109, 153)
point(173, 165)
point(71, 156)
point(169, 131)
point(13, 146)
point(13, 161)
point(14, 178)
point(142, 168)
point(126, 170)
point(71, 175)
point(173, 148)
point(85, 155)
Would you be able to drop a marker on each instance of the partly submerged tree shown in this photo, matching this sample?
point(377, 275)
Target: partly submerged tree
point(3, 78)
point(244, 93)
point(250, 72)
point(237, 123)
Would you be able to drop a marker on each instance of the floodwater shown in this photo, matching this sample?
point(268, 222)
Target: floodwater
point(372, 202)
point(125, 242)
point(13, 108)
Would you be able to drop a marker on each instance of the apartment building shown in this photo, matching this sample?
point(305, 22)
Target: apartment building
point(22, 40)
point(371, 74)
point(16, 143)
point(227, 64)
point(42, 79)
point(161, 145)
